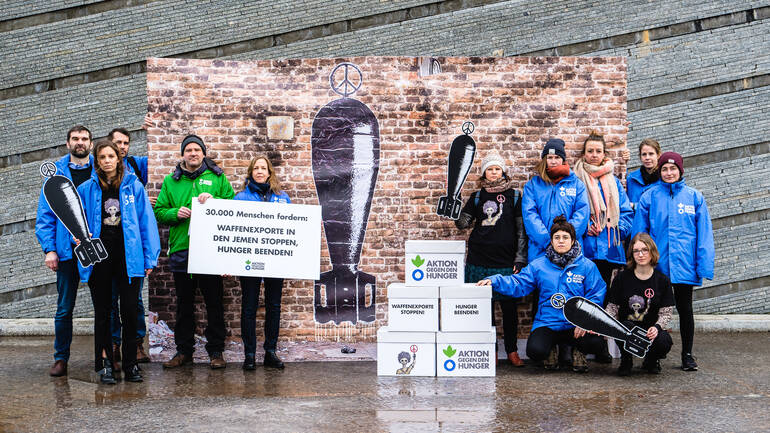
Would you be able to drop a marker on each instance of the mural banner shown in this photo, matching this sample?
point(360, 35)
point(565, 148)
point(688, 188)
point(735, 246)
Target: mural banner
point(255, 239)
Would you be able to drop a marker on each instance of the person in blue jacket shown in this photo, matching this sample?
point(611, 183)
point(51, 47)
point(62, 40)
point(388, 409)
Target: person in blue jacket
point(611, 214)
point(55, 240)
point(678, 220)
point(563, 272)
point(119, 213)
point(138, 166)
point(640, 180)
point(261, 184)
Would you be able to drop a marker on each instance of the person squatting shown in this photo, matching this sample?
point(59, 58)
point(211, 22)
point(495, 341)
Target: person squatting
point(654, 236)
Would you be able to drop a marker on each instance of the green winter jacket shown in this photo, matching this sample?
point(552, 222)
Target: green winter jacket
point(178, 190)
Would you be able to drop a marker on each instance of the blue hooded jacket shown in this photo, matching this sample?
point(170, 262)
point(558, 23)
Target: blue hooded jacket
point(635, 186)
point(250, 194)
point(50, 232)
point(677, 218)
point(140, 230)
point(580, 277)
point(598, 247)
point(541, 202)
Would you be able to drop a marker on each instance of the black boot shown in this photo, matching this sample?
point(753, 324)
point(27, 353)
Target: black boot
point(626, 364)
point(603, 357)
point(650, 365)
point(106, 375)
point(249, 363)
point(272, 360)
point(133, 374)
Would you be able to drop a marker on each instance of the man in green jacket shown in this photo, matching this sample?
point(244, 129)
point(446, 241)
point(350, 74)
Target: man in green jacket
point(195, 176)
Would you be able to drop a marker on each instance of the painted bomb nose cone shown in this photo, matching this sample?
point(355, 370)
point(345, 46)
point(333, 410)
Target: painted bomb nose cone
point(459, 163)
point(345, 141)
point(64, 201)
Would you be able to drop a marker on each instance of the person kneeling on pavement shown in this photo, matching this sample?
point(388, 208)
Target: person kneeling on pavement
point(642, 296)
point(563, 272)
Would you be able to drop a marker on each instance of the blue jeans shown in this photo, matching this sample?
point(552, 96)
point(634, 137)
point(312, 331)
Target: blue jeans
point(67, 278)
point(141, 327)
point(249, 305)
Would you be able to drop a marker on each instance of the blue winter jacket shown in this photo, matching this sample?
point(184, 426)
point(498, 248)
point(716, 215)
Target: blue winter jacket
point(598, 247)
point(141, 163)
point(50, 232)
point(635, 186)
point(250, 194)
point(541, 202)
point(677, 218)
point(140, 230)
point(579, 278)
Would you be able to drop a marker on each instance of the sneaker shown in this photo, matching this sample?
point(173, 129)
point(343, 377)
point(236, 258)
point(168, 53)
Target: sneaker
point(579, 364)
point(626, 365)
point(106, 375)
point(552, 362)
point(272, 360)
point(652, 366)
point(249, 362)
point(515, 360)
point(688, 362)
point(217, 361)
point(59, 368)
point(133, 374)
point(178, 360)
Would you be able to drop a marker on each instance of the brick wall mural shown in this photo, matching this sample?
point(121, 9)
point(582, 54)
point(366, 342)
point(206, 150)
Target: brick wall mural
point(286, 108)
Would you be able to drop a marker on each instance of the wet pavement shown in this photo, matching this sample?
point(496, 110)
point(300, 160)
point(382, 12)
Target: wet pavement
point(731, 392)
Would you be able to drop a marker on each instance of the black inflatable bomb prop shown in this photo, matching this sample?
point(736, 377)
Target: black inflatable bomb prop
point(345, 141)
point(585, 314)
point(64, 201)
point(459, 163)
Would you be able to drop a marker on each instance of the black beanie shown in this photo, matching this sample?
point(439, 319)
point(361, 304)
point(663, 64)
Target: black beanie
point(554, 146)
point(193, 139)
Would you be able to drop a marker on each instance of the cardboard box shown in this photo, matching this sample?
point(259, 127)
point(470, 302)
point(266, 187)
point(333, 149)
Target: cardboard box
point(466, 308)
point(406, 353)
point(412, 308)
point(466, 354)
point(434, 263)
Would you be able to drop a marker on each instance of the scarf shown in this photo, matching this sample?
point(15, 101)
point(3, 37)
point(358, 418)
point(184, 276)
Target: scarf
point(558, 173)
point(562, 260)
point(500, 185)
point(649, 178)
point(262, 189)
point(605, 212)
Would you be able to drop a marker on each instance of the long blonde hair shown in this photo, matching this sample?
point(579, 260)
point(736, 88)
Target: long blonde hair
point(275, 184)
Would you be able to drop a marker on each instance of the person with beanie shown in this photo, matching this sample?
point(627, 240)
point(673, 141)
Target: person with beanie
point(261, 184)
point(194, 176)
point(677, 219)
point(561, 273)
point(640, 180)
point(497, 244)
point(611, 214)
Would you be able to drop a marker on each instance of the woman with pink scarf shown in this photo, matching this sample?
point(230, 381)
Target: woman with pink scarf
point(611, 213)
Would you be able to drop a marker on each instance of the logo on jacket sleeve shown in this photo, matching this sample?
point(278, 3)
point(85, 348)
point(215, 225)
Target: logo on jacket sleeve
point(686, 209)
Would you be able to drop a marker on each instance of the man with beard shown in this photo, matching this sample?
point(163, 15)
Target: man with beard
point(77, 165)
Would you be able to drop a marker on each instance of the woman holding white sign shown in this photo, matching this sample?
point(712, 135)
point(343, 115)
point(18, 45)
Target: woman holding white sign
point(261, 184)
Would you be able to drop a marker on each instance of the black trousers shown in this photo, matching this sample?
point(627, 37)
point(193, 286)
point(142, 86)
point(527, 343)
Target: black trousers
point(683, 301)
point(509, 309)
point(543, 339)
point(104, 275)
point(184, 332)
point(249, 306)
point(659, 348)
point(605, 269)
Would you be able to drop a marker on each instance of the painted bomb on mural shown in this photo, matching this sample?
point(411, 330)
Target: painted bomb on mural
point(345, 145)
point(459, 164)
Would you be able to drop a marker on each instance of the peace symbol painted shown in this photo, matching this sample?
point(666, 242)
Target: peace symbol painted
point(558, 300)
point(47, 169)
point(649, 293)
point(346, 82)
point(468, 128)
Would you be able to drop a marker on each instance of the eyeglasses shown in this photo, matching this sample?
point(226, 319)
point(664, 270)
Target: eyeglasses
point(643, 251)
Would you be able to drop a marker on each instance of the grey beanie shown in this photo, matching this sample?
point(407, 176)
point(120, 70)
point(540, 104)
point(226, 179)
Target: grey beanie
point(492, 159)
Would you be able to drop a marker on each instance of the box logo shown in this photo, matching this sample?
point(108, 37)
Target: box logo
point(449, 365)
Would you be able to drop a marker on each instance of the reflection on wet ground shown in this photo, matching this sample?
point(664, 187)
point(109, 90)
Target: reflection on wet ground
point(731, 392)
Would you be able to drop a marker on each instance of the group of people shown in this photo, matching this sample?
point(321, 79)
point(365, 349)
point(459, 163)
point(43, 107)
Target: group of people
point(638, 251)
point(111, 185)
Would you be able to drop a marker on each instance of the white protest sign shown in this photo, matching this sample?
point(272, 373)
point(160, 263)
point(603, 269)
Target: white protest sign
point(255, 239)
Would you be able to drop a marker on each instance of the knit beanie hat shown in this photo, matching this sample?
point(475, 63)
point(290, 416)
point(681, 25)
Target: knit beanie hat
point(193, 139)
point(672, 158)
point(491, 160)
point(554, 146)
